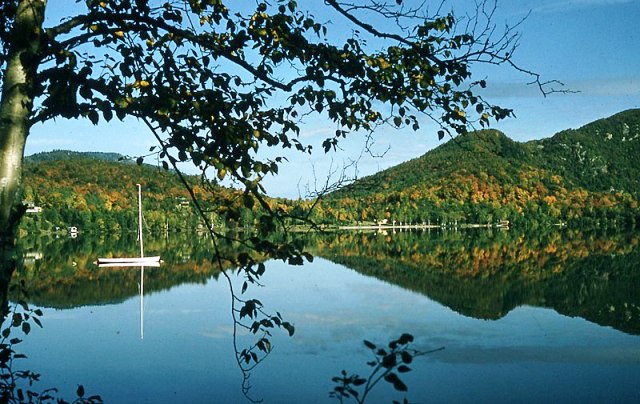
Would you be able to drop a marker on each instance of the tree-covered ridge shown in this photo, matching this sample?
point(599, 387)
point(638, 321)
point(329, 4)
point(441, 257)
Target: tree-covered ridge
point(600, 156)
point(81, 190)
point(66, 154)
point(95, 192)
point(589, 175)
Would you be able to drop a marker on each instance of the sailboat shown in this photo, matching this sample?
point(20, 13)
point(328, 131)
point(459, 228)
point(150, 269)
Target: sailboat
point(153, 261)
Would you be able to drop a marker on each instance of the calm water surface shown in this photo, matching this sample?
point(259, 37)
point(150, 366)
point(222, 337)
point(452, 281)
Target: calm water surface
point(503, 337)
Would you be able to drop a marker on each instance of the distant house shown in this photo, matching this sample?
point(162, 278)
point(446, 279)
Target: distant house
point(31, 207)
point(182, 203)
point(73, 231)
point(503, 224)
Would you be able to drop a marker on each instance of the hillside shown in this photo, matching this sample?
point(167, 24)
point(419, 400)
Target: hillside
point(97, 192)
point(587, 175)
point(56, 155)
point(600, 156)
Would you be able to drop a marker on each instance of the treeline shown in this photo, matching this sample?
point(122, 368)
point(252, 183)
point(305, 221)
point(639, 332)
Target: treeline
point(584, 177)
point(589, 177)
point(97, 194)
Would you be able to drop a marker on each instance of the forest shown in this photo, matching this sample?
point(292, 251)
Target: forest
point(587, 177)
point(584, 177)
point(96, 192)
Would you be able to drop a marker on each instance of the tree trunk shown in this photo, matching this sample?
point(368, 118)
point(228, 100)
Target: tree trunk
point(16, 107)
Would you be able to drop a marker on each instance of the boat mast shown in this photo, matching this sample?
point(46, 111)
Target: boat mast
point(140, 220)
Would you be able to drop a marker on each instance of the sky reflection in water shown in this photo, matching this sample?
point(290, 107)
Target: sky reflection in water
point(529, 355)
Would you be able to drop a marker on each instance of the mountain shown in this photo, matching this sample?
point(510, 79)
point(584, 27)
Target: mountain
point(97, 192)
point(600, 156)
point(587, 175)
point(57, 155)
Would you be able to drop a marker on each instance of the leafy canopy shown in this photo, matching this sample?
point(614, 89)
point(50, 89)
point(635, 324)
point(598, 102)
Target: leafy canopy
point(215, 80)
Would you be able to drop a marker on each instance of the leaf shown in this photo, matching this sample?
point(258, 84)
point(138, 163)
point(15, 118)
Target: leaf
point(405, 339)
point(93, 117)
point(369, 344)
point(26, 328)
point(395, 380)
point(404, 369)
point(389, 361)
point(107, 114)
point(16, 320)
point(406, 357)
point(290, 328)
point(80, 391)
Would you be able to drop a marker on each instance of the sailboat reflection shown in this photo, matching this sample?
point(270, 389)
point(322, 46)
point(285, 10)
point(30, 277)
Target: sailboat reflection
point(142, 302)
point(140, 285)
point(142, 261)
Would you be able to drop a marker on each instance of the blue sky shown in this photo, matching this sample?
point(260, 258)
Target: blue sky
point(590, 45)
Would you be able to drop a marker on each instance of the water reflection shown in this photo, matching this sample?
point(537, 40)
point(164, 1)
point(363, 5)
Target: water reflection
point(486, 275)
point(520, 282)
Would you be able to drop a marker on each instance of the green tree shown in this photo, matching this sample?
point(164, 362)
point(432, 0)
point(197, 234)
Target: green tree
point(216, 84)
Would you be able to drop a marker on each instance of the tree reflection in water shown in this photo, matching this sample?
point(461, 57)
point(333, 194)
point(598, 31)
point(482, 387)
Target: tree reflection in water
point(481, 275)
point(20, 385)
point(387, 364)
point(68, 278)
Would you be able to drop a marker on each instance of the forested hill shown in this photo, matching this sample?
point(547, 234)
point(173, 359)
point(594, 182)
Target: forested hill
point(97, 191)
point(600, 156)
point(588, 174)
point(57, 155)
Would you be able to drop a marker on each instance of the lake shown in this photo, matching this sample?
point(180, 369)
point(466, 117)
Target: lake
point(531, 317)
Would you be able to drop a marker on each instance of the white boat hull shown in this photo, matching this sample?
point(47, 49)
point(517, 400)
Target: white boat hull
point(134, 261)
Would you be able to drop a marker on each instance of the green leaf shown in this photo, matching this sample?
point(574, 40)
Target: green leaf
point(80, 391)
point(369, 344)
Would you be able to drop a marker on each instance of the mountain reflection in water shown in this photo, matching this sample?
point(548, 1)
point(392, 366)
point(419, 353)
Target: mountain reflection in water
point(439, 286)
